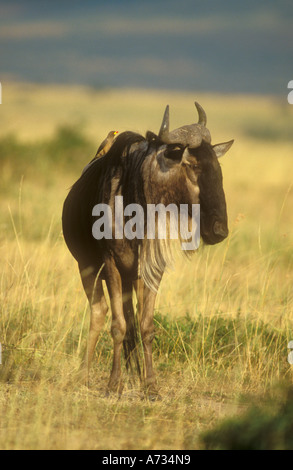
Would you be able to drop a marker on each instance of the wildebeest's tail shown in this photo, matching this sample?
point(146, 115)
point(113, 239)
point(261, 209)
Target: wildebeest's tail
point(131, 340)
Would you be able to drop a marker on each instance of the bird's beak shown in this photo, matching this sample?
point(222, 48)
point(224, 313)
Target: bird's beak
point(116, 132)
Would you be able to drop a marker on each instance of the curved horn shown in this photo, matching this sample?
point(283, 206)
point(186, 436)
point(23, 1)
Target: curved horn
point(201, 114)
point(164, 131)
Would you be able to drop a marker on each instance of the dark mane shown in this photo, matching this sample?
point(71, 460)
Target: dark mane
point(119, 162)
point(122, 161)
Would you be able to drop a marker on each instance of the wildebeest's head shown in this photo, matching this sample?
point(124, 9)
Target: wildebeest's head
point(192, 144)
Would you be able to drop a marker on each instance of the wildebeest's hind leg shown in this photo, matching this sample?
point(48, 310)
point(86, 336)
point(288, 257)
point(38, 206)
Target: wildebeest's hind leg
point(147, 334)
point(118, 327)
point(131, 342)
point(94, 290)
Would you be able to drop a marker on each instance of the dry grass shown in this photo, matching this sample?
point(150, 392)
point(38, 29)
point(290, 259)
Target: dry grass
point(237, 294)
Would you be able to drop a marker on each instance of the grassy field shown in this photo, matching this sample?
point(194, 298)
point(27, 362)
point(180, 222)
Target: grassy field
point(223, 321)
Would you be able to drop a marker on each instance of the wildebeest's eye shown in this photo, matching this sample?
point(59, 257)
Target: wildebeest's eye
point(195, 167)
point(174, 151)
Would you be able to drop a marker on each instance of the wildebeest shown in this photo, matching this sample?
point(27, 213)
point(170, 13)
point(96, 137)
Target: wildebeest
point(178, 167)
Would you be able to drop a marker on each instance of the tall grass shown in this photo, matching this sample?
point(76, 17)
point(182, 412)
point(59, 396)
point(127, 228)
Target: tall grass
point(223, 320)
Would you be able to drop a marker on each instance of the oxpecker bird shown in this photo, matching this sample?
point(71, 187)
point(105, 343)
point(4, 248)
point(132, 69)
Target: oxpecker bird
point(106, 144)
point(103, 149)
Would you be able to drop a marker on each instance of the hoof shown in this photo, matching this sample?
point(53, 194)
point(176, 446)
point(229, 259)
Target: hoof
point(153, 395)
point(151, 391)
point(115, 387)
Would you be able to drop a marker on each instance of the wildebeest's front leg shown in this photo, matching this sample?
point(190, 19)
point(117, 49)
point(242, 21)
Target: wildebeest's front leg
point(94, 290)
point(147, 334)
point(118, 327)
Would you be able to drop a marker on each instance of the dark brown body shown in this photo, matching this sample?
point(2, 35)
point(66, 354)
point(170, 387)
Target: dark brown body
point(143, 171)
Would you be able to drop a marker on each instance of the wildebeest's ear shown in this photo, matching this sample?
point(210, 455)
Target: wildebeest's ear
point(151, 136)
point(221, 149)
